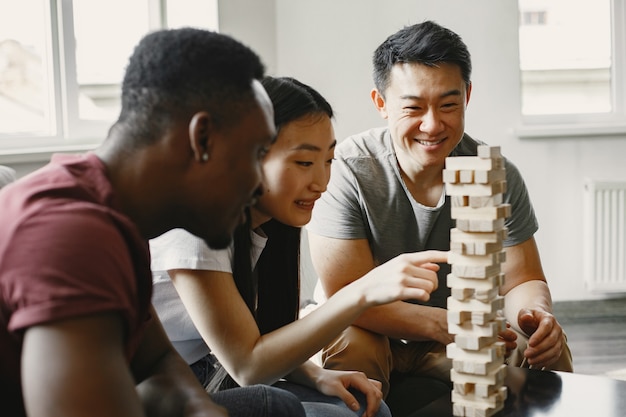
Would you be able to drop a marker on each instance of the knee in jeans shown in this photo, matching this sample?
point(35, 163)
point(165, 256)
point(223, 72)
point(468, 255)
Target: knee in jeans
point(282, 403)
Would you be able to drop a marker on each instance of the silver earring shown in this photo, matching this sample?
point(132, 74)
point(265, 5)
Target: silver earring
point(205, 157)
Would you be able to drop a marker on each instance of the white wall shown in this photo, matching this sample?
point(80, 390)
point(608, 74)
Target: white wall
point(329, 43)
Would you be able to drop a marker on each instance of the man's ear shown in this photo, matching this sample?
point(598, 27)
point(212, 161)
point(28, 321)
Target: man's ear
point(200, 136)
point(379, 102)
point(468, 93)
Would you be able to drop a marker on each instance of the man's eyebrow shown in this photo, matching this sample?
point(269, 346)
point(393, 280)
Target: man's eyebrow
point(454, 92)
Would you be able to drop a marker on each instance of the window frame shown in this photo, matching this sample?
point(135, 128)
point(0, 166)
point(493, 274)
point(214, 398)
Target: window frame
point(586, 124)
point(72, 133)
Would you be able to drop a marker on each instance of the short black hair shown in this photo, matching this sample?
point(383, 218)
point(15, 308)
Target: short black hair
point(293, 99)
point(177, 72)
point(425, 43)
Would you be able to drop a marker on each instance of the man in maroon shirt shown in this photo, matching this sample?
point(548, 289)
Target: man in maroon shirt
point(78, 336)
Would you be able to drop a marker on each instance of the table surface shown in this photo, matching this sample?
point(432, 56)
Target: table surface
point(534, 393)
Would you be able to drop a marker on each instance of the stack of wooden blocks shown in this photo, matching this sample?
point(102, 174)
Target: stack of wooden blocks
point(476, 185)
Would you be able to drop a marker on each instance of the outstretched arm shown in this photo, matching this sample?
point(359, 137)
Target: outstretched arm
point(339, 262)
point(226, 325)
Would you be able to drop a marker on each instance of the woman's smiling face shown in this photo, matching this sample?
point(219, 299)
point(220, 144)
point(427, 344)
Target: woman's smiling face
point(296, 171)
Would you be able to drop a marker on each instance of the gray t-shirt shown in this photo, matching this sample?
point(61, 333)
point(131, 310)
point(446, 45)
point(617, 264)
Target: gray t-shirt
point(367, 199)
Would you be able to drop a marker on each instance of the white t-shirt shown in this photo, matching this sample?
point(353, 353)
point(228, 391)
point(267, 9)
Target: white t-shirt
point(179, 249)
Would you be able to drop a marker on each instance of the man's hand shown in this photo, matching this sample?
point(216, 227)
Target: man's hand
point(546, 339)
point(509, 338)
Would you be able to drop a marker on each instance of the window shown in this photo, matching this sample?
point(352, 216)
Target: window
point(62, 62)
point(572, 66)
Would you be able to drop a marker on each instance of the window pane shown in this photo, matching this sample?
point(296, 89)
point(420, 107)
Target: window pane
point(25, 96)
point(195, 13)
point(565, 56)
point(106, 33)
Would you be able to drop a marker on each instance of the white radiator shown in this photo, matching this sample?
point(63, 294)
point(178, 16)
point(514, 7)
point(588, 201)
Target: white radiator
point(605, 236)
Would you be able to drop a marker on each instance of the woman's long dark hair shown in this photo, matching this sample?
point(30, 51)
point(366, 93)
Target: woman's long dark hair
point(273, 287)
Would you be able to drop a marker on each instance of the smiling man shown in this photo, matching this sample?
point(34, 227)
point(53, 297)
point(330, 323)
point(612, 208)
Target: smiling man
point(386, 196)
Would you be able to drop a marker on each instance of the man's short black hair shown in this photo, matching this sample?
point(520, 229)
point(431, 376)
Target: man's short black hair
point(177, 72)
point(424, 43)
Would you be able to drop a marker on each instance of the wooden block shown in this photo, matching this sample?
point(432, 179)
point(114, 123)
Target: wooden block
point(484, 390)
point(458, 316)
point(476, 284)
point(475, 260)
point(458, 410)
point(450, 176)
point(490, 329)
point(501, 211)
point(475, 271)
point(463, 389)
point(495, 377)
point(498, 396)
point(491, 353)
point(474, 406)
point(497, 236)
point(473, 342)
point(459, 201)
point(471, 305)
point(479, 225)
point(474, 163)
point(475, 248)
point(466, 176)
point(476, 190)
point(461, 409)
point(486, 151)
point(461, 293)
point(482, 317)
point(462, 248)
point(489, 176)
point(477, 390)
point(477, 367)
point(486, 295)
point(485, 201)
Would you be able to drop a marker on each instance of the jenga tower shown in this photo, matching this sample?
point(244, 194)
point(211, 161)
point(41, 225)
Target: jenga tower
point(475, 185)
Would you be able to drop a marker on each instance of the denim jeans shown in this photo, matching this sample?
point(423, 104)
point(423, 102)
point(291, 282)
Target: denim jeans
point(281, 399)
point(259, 401)
point(317, 404)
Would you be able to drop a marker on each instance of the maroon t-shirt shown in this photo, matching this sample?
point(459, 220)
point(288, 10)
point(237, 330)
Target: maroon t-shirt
point(66, 251)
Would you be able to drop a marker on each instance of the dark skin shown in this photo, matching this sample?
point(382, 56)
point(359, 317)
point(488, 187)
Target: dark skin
point(96, 342)
point(160, 186)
